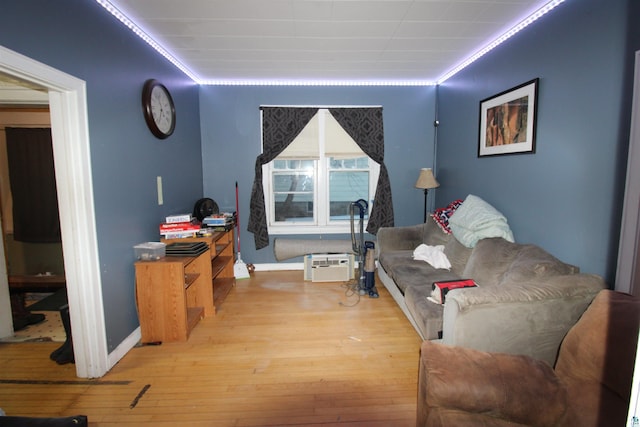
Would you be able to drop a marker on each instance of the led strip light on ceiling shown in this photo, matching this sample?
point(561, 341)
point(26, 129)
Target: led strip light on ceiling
point(290, 82)
point(147, 38)
point(512, 32)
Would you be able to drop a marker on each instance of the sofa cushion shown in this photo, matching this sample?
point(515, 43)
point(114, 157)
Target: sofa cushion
point(417, 273)
point(427, 314)
point(458, 255)
point(405, 271)
point(489, 260)
point(600, 349)
point(433, 234)
point(596, 360)
point(533, 262)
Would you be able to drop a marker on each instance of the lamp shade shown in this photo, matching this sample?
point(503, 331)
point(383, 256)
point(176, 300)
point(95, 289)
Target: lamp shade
point(426, 179)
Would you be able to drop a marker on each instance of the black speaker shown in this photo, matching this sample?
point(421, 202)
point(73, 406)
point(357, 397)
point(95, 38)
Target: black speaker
point(205, 207)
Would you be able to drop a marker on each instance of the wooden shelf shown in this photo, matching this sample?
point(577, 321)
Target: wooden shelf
point(222, 255)
point(190, 278)
point(219, 264)
point(194, 314)
point(221, 289)
point(173, 294)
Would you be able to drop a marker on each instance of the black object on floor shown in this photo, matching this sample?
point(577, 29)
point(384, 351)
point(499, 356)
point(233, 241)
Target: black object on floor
point(75, 421)
point(21, 322)
point(51, 303)
point(64, 354)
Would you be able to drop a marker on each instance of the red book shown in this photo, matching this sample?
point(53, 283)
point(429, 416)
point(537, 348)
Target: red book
point(440, 289)
point(178, 226)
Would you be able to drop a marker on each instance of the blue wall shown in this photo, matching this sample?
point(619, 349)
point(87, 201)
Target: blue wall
point(567, 197)
point(231, 137)
point(82, 39)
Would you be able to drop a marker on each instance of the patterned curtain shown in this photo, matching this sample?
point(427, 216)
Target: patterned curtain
point(280, 126)
point(364, 125)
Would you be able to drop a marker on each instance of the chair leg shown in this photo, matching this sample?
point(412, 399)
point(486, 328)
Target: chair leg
point(21, 316)
point(64, 353)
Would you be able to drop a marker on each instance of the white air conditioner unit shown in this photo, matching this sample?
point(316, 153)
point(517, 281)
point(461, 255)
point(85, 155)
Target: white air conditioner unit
point(329, 267)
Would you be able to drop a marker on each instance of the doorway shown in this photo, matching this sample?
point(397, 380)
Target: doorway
point(70, 136)
point(33, 251)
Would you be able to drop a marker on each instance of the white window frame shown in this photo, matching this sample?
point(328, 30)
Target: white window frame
point(321, 223)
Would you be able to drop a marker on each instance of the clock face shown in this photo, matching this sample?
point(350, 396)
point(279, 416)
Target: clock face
point(159, 111)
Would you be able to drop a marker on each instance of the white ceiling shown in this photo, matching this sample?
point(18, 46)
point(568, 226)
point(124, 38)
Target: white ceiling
point(337, 40)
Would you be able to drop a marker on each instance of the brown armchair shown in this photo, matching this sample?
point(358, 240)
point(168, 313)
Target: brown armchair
point(590, 385)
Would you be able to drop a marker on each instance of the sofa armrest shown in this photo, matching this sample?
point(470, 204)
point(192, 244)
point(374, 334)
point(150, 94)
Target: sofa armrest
point(561, 286)
point(400, 238)
point(529, 318)
point(516, 389)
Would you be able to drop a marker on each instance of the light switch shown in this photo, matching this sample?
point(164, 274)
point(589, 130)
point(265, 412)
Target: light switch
point(159, 184)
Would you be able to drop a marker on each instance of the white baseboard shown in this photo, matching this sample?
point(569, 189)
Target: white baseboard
point(123, 348)
point(280, 266)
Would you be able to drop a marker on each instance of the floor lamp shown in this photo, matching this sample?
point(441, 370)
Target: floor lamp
point(425, 181)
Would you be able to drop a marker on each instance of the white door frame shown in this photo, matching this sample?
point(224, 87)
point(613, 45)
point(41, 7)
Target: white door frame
point(71, 155)
point(628, 251)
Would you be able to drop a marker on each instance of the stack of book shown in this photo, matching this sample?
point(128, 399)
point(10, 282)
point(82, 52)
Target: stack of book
point(186, 249)
point(179, 226)
point(222, 221)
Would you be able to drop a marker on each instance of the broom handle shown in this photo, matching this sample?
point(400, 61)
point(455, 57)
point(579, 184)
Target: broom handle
point(237, 216)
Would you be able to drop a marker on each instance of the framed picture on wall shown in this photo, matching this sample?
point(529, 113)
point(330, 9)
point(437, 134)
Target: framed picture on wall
point(508, 121)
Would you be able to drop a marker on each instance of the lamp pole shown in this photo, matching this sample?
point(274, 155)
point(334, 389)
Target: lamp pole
point(426, 190)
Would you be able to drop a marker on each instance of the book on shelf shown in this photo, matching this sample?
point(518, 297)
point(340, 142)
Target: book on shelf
point(179, 218)
point(178, 230)
point(220, 219)
point(179, 226)
point(178, 234)
point(211, 228)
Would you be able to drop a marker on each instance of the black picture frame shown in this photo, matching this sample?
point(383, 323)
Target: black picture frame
point(508, 121)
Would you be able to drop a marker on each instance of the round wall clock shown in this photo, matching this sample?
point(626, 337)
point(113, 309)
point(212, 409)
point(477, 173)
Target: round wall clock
point(158, 108)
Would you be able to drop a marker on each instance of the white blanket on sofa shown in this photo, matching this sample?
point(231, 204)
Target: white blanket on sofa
point(476, 219)
point(434, 255)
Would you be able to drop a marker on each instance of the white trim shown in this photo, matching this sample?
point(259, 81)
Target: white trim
point(70, 134)
point(630, 233)
point(282, 266)
point(6, 319)
point(126, 345)
point(630, 229)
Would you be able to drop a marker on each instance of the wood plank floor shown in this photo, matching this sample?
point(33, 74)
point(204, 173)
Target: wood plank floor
point(280, 352)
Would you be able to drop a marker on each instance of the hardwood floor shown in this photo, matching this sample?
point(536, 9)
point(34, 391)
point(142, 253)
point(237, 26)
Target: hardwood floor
point(280, 352)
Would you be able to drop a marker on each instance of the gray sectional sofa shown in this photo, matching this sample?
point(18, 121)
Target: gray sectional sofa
point(525, 302)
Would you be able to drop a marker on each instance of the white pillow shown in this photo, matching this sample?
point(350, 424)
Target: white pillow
point(476, 219)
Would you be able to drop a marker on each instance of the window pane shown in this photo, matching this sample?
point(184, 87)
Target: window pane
point(293, 196)
point(362, 163)
point(352, 163)
point(345, 188)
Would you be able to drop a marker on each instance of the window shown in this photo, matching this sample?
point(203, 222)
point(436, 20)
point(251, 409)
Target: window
point(310, 186)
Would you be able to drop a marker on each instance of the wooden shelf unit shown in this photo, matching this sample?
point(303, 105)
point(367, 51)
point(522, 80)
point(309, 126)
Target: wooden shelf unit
point(172, 295)
point(222, 259)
